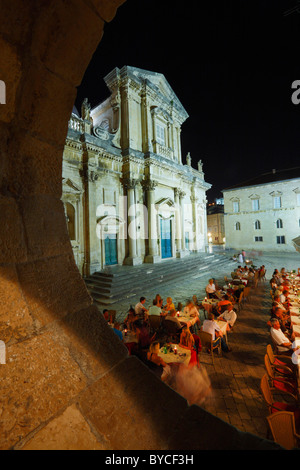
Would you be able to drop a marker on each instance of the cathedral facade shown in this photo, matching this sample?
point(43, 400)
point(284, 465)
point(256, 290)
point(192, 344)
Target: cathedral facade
point(128, 197)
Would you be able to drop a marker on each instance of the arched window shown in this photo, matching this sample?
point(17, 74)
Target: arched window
point(279, 223)
point(237, 226)
point(257, 225)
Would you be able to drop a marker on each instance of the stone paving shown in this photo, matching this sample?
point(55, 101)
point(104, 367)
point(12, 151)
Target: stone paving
point(235, 376)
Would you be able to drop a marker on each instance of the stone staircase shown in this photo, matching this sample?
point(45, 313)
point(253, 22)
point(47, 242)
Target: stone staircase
point(120, 283)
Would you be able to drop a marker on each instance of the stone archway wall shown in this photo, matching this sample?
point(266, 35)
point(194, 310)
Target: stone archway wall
point(67, 382)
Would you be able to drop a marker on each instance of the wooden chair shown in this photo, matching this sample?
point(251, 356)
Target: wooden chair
point(246, 293)
point(275, 406)
point(154, 322)
point(207, 342)
point(240, 301)
point(283, 429)
point(281, 384)
point(282, 365)
point(171, 329)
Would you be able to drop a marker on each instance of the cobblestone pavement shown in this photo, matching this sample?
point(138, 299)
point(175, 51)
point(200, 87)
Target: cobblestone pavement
point(235, 376)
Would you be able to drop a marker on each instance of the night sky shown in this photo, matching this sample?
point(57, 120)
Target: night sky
point(231, 64)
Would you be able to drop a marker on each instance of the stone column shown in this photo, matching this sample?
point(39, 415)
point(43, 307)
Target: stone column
point(153, 256)
point(194, 201)
point(177, 221)
point(181, 196)
point(181, 243)
point(132, 258)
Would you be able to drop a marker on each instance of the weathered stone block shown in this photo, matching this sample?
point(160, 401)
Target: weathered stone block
point(68, 431)
point(93, 344)
point(132, 409)
point(20, 325)
point(49, 122)
point(45, 226)
point(12, 238)
point(53, 288)
point(35, 166)
point(10, 73)
point(39, 379)
point(66, 22)
point(105, 10)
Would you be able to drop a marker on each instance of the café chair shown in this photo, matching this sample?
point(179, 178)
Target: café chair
point(240, 301)
point(172, 330)
point(246, 293)
point(283, 429)
point(154, 322)
point(275, 406)
point(282, 365)
point(207, 343)
point(281, 384)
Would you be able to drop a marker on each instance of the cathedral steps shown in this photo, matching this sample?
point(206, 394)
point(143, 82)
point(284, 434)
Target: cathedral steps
point(117, 283)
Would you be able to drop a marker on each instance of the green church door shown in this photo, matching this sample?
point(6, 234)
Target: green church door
point(111, 253)
point(166, 238)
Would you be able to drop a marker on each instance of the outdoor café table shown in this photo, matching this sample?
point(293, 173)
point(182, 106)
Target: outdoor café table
point(130, 337)
point(212, 302)
point(183, 355)
point(187, 319)
point(224, 327)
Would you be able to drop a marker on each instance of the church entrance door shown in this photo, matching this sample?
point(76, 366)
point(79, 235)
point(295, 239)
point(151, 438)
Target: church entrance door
point(111, 252)
point(166, 238)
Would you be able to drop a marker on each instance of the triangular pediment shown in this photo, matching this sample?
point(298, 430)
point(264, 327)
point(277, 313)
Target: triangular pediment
point(154, 80)
point(70, 187)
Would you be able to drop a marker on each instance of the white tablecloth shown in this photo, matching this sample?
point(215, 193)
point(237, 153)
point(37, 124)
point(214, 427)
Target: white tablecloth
point(183, 355)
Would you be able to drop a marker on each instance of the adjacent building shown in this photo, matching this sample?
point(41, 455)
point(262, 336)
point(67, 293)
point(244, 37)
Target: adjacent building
point(128, 197)
point(215, 223)
point(263, 213)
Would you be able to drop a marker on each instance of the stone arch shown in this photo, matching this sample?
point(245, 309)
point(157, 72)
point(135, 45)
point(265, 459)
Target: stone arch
point(59, 375)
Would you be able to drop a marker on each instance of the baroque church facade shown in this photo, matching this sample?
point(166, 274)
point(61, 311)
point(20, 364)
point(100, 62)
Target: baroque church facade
point(128, 197)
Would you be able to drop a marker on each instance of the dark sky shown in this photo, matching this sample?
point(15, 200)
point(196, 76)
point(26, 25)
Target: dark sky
point(231, 63)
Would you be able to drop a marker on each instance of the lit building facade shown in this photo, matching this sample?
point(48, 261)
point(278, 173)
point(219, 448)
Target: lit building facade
point(215, 224)
point(128, 197)
point(264, 213)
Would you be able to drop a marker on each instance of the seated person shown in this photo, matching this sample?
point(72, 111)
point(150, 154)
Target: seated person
point(155, 309)
point(223, 304)
point(159, 300)
point(116, 329)
point(143, 336)
point(210, 326)
point(190, 309)
point(195, 302)
point(130, 320)
point(140, 309)
point(106, 315)
point(169, 305)
point(210, 289)
point(229, 315)
point(153, 356)
point(283, 343)
point(278, 314)
point(189, 340)
point(172, 317)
